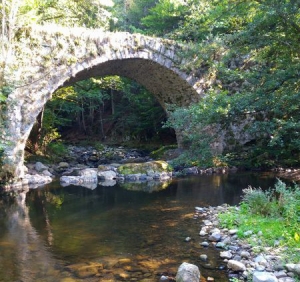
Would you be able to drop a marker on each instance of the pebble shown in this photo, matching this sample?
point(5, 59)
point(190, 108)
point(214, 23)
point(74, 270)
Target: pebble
point(220, 245)
point(215, 237)
point(204, 244)
point(232, 231)
point(245, 254)
point(207, 222)
point(203, 257)
point(202, 233)
point(236, 265)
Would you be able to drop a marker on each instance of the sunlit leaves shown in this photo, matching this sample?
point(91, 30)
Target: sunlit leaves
point(164, 16)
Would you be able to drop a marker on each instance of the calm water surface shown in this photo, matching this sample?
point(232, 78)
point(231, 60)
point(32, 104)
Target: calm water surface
point(119, 233)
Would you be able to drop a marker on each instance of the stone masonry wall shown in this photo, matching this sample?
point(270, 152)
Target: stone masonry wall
point(50, 57)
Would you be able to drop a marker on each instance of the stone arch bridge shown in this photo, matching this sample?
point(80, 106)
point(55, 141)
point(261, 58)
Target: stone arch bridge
point(48, 58)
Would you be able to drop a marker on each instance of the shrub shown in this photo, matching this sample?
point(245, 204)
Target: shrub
point(258, 201)
point(56, 150)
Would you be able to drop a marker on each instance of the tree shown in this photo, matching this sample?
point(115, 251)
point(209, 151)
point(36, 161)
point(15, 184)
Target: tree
point(254, 60)
point(129, 14)
point(107, 108)
point(90, 14)
point(164, 17)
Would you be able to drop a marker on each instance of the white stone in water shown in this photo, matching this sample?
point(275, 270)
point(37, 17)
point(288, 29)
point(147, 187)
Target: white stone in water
point(204, 244)
point(259, 276)
point(188, 273)
point(203, 257)
point(107, 175)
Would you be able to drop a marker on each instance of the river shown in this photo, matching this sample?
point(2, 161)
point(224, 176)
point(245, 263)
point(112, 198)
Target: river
point(113, 233)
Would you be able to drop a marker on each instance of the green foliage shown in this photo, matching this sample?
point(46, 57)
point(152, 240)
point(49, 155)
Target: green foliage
point(164, 17)
point(246, 51)
point(288, 203)
point(258, 201)
point(3, 96)
point(199, 126)
point(274, 213)
point(149, 17)
point(56, 151)
point(282, 202)
point(128, 14)
point(108, 108)
point(91, 14)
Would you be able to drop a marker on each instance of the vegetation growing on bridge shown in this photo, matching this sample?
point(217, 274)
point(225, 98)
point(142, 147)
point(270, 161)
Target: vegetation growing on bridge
point(248, 51)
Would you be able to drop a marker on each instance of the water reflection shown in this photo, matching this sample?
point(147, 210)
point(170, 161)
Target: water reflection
point(24, 255)
point(72, 232)
point(146, 186)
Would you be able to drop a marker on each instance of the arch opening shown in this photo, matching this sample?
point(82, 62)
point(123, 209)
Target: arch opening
point(110, 110)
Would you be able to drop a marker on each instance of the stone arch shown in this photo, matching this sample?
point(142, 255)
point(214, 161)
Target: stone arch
point(63, 57)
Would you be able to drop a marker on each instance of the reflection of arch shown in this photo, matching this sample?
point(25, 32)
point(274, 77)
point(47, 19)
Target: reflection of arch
point(63, 56)
point(33, 259)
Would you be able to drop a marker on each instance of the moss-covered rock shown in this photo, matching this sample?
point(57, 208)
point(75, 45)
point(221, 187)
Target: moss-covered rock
point(145, 168)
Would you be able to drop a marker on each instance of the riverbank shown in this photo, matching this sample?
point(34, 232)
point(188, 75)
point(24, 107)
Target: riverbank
point(289, 174)
point(40, 171)
point(244, 255)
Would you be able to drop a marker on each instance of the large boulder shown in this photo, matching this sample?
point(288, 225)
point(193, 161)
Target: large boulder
point(188, 273)
point(107, 175)
point(90, 174)
point(144, 168)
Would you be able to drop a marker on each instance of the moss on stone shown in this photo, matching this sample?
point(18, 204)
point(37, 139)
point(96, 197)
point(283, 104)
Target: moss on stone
point(134, 168)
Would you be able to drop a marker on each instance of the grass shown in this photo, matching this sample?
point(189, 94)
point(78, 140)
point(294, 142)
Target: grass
point(273, 218)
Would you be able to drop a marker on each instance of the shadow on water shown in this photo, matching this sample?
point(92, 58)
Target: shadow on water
point(117, 233)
